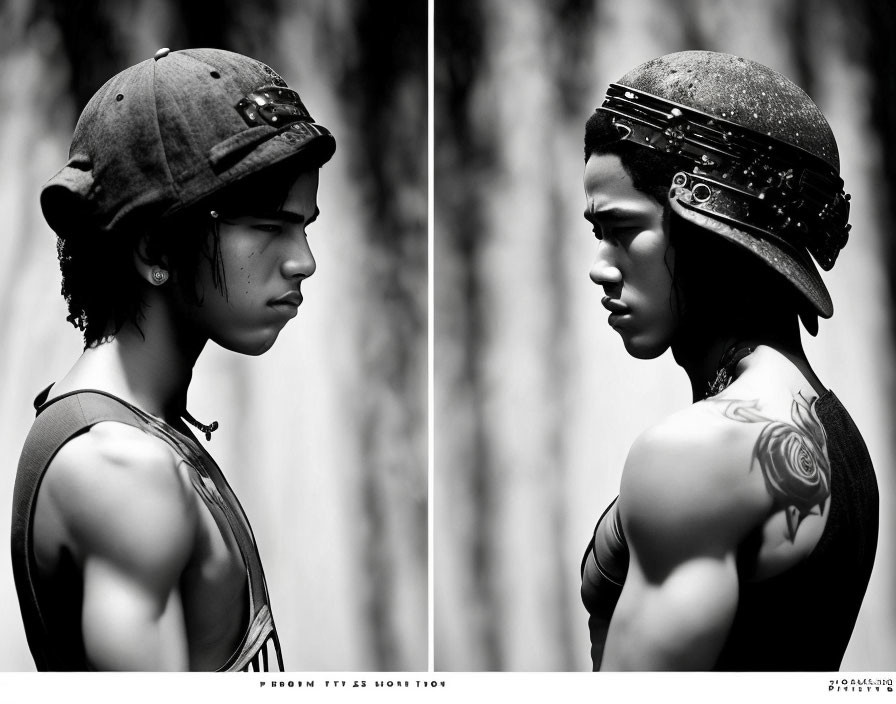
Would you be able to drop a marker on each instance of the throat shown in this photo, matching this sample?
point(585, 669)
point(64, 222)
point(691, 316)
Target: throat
point(145, 370)
point(711, 364)
point(726, 368)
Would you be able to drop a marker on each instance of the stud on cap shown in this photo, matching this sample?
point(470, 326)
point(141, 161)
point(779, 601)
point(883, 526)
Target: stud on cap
point(162, 53)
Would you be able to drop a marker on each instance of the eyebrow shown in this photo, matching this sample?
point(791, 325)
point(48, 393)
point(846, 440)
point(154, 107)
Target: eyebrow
point(293, 217)
point(615, 213)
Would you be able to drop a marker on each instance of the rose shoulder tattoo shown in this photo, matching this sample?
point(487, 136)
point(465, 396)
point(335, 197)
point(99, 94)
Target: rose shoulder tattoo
point(793, 457)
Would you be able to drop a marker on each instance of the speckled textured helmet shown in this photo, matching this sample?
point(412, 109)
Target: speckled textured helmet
point(765, 163)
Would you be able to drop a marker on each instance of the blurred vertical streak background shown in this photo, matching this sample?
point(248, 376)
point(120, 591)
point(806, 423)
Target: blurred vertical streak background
point(536, 400)
point(324, 437)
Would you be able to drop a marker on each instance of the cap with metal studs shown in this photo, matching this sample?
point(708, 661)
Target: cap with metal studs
point(173, 130)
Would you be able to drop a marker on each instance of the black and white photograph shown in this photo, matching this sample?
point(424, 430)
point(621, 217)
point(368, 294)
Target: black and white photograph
point(448, 350)
point(666, 425)
point(215, 300)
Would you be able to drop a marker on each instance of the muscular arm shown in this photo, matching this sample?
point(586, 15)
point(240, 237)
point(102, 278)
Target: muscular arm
point(677, 623)
point(125, 512)
point(685, 508)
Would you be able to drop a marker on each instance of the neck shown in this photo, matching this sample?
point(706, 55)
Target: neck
point(700, 353)
point(150, 366)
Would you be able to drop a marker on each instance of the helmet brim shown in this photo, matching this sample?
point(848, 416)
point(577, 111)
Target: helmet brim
point(793, 263)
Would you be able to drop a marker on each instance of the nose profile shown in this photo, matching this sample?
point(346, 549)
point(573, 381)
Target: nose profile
point(604, 271)
point(299, 262)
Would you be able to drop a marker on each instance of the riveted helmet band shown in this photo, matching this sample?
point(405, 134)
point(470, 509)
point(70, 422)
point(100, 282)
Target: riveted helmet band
point(740, 176)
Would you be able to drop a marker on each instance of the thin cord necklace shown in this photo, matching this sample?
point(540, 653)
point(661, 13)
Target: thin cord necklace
point(207, 429)
point(736, 352)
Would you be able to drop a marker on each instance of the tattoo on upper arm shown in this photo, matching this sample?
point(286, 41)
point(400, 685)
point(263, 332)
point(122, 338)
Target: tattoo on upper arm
point(793, 457)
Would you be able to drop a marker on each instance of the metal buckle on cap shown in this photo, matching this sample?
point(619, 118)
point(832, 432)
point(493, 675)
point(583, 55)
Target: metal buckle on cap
point(273, 106)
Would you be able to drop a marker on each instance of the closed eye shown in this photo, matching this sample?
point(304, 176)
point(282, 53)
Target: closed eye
point(269, 227)
point(614, 231)
point(619, 233)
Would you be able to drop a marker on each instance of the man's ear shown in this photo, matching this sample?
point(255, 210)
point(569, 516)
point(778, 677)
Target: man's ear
point(152, 270)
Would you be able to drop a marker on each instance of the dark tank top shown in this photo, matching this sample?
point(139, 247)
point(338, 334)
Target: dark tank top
point(799, 620)
point(53, 620)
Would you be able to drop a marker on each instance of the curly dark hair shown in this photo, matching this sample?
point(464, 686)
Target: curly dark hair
point(714, 281)
point(100, 283)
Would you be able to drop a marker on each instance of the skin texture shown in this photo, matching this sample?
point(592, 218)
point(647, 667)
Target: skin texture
point(633, 261)
point(164, 584)
point(694, 487)
point(792, 457)
point(123, 510)
point(698, 483)
point(265, 256)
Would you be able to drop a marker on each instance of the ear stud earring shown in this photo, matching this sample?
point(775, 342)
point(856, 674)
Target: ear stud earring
point(159, 276)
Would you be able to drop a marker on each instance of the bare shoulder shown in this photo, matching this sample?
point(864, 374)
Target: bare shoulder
point(121, 494)
point(688, 485)
point(790, 454)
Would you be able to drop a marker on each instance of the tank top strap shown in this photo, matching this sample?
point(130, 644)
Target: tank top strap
point(242, 531)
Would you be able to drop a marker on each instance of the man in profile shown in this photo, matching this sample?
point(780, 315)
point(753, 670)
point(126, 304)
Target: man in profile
point(181, 219)
point(745, 528)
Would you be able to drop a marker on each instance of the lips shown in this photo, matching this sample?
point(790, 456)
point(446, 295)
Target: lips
point(614, 306)
point(287, 304)
point(292, 298)
point(619, 312)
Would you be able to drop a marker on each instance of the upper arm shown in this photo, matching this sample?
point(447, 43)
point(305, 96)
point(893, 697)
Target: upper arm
point(129, 520)
point(685, 505)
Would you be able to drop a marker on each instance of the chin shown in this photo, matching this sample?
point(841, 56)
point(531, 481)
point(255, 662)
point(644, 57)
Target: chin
point(644, 349)
point(252, 347)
